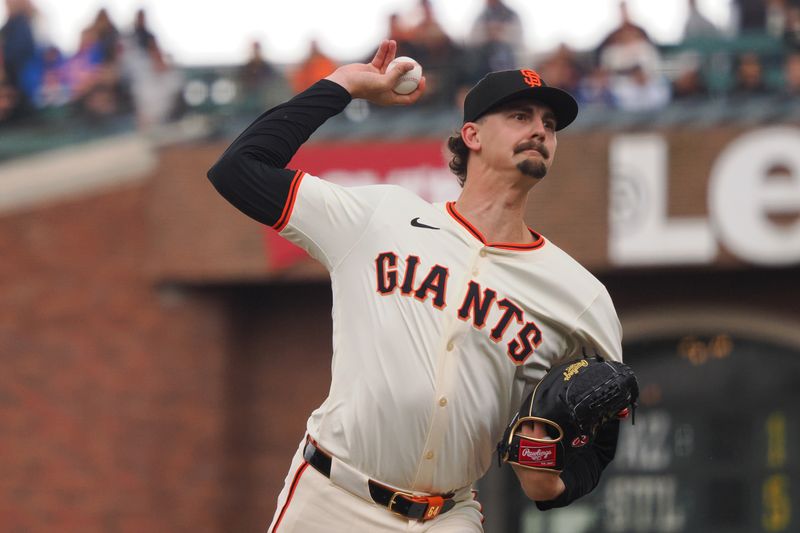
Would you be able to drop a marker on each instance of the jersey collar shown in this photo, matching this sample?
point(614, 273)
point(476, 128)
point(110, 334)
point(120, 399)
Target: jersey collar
point(537, 243)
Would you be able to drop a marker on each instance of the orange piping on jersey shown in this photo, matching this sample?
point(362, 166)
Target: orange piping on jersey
point(291, 493)
point(289, 205)
point(451, 208)
point(535, 245)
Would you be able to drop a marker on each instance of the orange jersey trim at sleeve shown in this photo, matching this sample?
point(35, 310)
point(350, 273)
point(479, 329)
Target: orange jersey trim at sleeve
point(289, 205)
point(535, 245)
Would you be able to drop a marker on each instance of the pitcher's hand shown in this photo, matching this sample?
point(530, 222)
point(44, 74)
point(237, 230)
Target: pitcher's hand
point(373, 83)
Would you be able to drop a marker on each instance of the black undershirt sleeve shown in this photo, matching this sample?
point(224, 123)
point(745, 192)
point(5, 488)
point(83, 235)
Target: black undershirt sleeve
point(582, 470)
point(250, 174)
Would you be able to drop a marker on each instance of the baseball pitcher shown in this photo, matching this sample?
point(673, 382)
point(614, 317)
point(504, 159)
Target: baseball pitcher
point(446, 317)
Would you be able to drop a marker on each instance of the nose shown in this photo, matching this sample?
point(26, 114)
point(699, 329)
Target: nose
point(538, 130)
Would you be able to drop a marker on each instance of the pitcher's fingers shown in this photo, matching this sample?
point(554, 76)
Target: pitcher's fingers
point(539, 431)
point(398, 70)
point(406, 99)
point(380, 60)
point(380, 53)
point(391, 50)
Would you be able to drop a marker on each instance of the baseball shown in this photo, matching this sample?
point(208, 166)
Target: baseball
point(408, 81)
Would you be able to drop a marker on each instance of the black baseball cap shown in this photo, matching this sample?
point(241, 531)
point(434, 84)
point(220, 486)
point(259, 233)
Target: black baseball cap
point(502, 86)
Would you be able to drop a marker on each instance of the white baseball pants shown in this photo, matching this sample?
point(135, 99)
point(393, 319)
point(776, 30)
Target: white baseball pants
point(310, 503)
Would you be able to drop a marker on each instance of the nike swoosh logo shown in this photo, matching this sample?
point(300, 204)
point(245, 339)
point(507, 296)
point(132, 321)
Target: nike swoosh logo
point(417, 224)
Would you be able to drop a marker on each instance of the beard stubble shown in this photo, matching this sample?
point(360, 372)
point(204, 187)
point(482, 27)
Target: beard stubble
point(534, 169)
point(529, 167)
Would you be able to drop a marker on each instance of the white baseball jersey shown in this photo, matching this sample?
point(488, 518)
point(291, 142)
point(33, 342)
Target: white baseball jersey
point(436, 332)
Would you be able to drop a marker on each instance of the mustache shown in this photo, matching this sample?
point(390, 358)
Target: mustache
point(532, 145)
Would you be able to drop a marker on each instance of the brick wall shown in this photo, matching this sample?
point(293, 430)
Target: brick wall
point(278, 371)
point(111, 392)
point(132, 403)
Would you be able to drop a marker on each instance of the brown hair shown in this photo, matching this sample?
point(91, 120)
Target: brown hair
point(458, 163)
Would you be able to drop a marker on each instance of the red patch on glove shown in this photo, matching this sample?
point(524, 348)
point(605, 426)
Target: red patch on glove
point(537, 454)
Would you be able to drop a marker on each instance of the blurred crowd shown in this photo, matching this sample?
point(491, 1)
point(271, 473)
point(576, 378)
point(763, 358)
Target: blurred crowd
point(115, 73)
point(627, 69)
point(111, 74)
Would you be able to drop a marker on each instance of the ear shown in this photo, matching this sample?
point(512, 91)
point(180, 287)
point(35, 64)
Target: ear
point(469, 134)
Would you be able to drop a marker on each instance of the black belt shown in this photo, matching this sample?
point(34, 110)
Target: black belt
point(406, 504)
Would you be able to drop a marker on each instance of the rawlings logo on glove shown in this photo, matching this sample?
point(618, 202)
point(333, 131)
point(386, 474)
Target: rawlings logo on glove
point(572, 402)
point(534, 454)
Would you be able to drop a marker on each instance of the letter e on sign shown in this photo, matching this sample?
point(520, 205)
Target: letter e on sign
point(756, 178)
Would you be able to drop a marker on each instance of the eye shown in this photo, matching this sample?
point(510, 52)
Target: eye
point(550, 124)
point(520, 116)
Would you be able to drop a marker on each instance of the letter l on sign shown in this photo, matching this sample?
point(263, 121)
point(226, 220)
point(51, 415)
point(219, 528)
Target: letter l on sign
point(640, 231)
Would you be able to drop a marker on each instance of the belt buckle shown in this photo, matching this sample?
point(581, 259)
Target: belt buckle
point(392, 500)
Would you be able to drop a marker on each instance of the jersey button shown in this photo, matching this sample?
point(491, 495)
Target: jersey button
point(442, 401)
point(429, 455)
point(483, 252)
point(475, 271)
point(450, 346)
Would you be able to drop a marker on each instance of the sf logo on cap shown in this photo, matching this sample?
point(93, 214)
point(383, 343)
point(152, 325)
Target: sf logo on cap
point(531, 77)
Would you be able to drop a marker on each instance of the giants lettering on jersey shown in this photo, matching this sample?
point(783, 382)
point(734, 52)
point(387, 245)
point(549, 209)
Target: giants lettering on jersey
point(475, 307)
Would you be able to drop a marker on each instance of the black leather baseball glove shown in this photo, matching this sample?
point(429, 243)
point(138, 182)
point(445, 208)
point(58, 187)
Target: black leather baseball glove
point(573, 401)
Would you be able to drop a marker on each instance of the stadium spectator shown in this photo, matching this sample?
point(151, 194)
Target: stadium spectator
point(427, 32)
point(751, 16)
point(262, 85)
point(594, 89)
point(8, 96)
point(93, 84)
point(437, 52)
point(497, 21)
point(146, 40)
point(628, 47)
point(54, 89)
point(314, 67)
point(760, 16)
point(19, 48)
point(107, 36)
point(142, 36)
point(791, 75)
point(640, 90)
point(633, 65)
point(492, 45)
point(689, 84)
point(154, 84)
point(697, 25)
point(625, 33)
point(791, 33)
point(562, 69)
point(256, 71)
point(749, 78)
point(8, 103)
point(776, 17)
point(478, 60)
